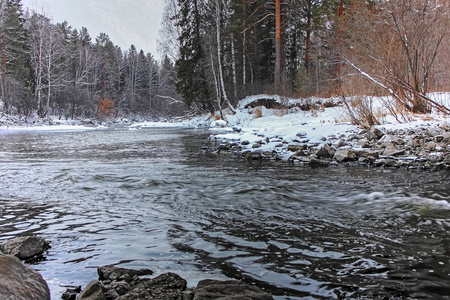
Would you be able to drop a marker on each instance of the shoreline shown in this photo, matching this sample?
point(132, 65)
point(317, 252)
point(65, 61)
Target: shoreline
point(419, 147)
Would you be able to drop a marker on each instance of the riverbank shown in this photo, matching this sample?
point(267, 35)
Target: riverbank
point(321, 135)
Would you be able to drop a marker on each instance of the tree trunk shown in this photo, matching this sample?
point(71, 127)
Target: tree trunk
point(233, 66)
point(340, 13)
point(278, 44)
point(219, 57)
point(244, 42)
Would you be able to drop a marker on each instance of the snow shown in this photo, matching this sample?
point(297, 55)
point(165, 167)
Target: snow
point(143, 125)
point(297, 127)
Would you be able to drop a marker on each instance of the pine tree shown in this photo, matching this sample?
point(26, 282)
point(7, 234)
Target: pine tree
point(192, 82)
point(15, 53)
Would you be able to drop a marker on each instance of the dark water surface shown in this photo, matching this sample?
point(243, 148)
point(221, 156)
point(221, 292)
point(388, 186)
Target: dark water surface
point(149, 198)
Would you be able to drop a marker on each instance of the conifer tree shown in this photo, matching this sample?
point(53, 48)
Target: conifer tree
point(192, 82)
point(15, 53)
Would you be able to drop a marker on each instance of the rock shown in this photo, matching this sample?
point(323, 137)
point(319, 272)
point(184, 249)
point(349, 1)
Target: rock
point(167, 286)
point(371, 154)
point(18, 281)
point(224, 147)
point(363, 143)
point(392, 151)
point(389, 163)
point(228, 290)
point(352, 137)
point(325, 151)
point(93, 291)
point(25, 247)
point(112, 294)
point(446, 159)
point(121, 287)
point(187, 295)
point(315, 162)
point(245, 143)
point(379, 134)
point(106, 272)
point(301, 134)
point(431, 146)
point(295, 148)
point(345, 155)
point(71, 293)
point(370, 136)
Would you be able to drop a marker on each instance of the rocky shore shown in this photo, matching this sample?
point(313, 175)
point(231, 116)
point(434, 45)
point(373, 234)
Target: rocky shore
point(424, 147)
point(21, 282)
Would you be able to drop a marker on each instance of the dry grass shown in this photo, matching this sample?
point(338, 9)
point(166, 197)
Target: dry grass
point(258, 113)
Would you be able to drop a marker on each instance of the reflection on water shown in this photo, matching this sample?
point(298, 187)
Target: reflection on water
point(148, 198)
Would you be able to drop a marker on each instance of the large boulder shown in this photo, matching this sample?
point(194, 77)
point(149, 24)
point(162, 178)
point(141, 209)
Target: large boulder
point(229, 290)
point(168, 286)
point(93, 291)
point(25, 247)
point(20, 282)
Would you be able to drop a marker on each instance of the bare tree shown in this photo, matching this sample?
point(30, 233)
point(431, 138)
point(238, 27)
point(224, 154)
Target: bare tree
point(396, 46)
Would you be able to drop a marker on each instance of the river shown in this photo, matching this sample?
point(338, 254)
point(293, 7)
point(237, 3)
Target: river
point(150, 199)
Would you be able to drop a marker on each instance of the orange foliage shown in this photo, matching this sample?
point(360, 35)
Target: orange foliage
point(105, 108)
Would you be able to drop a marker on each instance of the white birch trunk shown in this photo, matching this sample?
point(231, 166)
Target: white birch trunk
point(219, 57)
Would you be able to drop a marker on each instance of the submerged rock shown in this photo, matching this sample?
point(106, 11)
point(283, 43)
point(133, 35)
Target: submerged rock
point(25, 247)
point(20, 282)
point(227, 290)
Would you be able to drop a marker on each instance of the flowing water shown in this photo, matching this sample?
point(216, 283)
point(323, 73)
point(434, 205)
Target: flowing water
point(150, 199)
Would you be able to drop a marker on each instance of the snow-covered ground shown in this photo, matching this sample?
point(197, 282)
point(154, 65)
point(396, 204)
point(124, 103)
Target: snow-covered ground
point(294, 125)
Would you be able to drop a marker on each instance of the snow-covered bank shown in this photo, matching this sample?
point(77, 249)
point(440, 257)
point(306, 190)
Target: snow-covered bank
point(322, 134)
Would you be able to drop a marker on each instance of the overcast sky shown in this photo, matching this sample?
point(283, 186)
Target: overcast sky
point(126, 22)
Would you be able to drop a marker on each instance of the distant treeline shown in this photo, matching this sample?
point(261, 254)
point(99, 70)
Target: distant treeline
point(55, 69)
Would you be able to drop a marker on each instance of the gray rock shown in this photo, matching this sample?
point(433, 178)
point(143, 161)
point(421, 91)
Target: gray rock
point(187, 295)
point(345, 155)
point(112, 294)
point(25, 247)
point(431, 146)
point(389, 163)
point(105, 272)
point(20, 282)
point(446, 159)
point(392, 151)
point(363, 143)
point(295, 148)
point(121, 287)
point(325, 151)
point(93, 291)
point(370, 136)
point(167, 286)
point(229, 290)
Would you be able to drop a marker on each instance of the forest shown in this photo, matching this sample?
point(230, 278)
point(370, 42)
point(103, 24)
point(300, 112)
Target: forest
point(216, 52)
point(54, 69)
